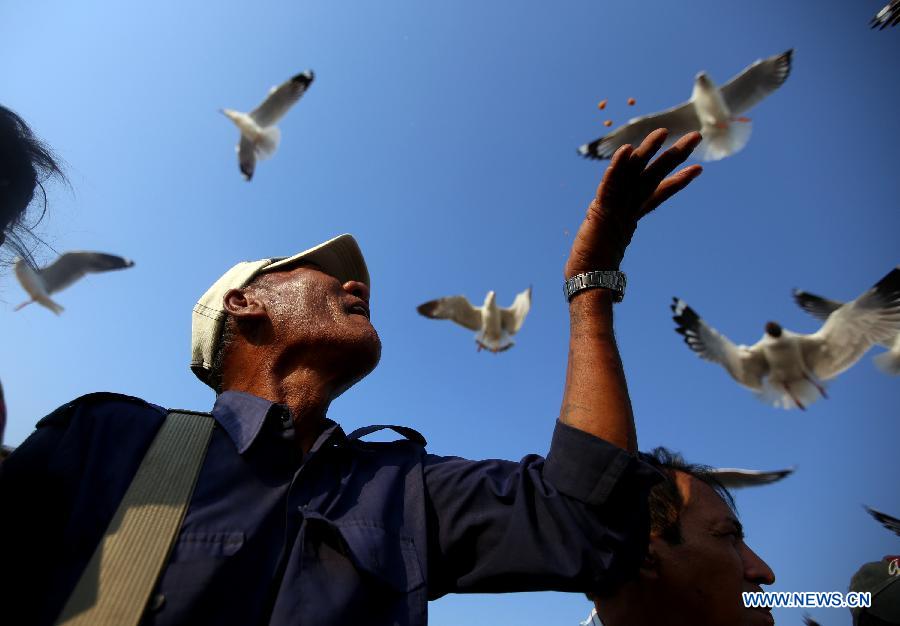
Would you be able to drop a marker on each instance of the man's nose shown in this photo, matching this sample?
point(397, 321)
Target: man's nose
point(755, 569)
point(358, 289)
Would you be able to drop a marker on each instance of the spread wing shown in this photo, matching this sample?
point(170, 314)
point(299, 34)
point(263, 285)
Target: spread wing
point(454, 308)
point(817, 306)
point(888, 521)
point(746, 365)
point(679, 120)
point(849, 332)
point(809, 621)
point(887, 16)
point(734, 478)
point(72, 266)
point(511, 319)
point(282, 98)
point(246, 157)
point(750, 87)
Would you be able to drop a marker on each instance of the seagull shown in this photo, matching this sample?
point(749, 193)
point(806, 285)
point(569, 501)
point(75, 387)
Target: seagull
point(715, 112)
point(888, 16)
point(495, 325)
point(888, 521)
point(785, 368)
point(67, 269)
point(259, 135)
point(734, 478)
point(821, 308)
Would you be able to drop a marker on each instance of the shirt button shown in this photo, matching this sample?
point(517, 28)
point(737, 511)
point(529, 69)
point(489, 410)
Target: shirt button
point(157, 602)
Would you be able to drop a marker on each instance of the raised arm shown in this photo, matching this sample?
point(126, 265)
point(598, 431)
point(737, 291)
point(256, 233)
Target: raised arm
point(595, 398)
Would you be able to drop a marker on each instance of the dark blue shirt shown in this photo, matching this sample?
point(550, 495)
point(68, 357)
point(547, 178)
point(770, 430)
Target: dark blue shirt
point(352, 532)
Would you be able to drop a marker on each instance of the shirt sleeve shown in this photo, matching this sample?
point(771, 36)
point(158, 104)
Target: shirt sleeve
point(575, 521)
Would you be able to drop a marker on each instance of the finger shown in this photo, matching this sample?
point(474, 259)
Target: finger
point(650, 146)
point(670, 186)
point(670, 159)
point(614, 173)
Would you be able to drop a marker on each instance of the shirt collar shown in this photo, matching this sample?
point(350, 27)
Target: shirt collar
point(242, 415)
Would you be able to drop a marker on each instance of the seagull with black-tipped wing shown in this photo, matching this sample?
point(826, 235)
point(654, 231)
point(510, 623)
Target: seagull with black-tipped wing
point(717, 112)
point(495, 325)
point(259, 135)
point(788, 369)
point(68, 268)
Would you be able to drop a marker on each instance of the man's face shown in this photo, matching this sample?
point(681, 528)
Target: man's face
point(314, 316)
point(701, 578)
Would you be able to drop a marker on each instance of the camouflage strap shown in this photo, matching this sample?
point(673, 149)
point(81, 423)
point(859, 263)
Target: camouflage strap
point(121, 575)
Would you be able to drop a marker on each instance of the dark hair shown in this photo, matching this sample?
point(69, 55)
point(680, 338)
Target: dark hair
point(666, 502)
point(26, 163)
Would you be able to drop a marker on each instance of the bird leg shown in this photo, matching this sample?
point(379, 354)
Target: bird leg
point(742, 119)
point(794, 398)
point(816, 385)
point(24, 304)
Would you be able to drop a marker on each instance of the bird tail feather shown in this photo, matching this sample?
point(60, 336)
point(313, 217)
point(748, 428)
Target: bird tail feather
point(719, 143)
point(888, 362)
point(803, 391)
point(268, 141)
point(50, 304)
point(494, 345)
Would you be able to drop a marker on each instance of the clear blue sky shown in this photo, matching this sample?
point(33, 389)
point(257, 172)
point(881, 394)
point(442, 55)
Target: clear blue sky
point(443, 136)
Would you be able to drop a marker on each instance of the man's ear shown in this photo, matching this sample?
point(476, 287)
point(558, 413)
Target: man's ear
point(243, 304)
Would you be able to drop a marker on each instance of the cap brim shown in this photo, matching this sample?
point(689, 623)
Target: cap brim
point(341, 257)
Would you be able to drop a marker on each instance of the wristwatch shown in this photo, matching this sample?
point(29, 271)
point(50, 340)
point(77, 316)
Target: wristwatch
point(604, 279)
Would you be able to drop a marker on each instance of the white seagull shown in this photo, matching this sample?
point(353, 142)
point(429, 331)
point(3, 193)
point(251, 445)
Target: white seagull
point(715, 112)
point(64, 271)
point(495, 325)
point(735, 478)
point(821, 308)
point(785, 368)
point(887, 16)
point(259, 135)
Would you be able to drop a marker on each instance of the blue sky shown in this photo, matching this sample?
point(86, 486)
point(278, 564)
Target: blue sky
point(443, 136)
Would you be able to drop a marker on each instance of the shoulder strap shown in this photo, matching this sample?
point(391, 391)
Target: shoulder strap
point(405, 431)
point(121, 575)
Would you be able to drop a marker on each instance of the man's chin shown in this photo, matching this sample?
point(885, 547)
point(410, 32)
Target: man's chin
point(362, 356)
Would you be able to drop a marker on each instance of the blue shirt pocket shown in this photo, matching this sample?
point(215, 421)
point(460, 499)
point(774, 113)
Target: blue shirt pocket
point(388, 556)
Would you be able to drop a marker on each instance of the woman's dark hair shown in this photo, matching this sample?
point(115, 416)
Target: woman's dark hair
point(26, 163)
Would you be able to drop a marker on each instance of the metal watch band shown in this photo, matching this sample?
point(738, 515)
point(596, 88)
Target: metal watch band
point(604, 279)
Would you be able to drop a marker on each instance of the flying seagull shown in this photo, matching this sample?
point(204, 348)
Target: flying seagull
point(821, 308)
point(716, 112)
point(888, 16)
point(785, 368)
point(734, 478)
point(888, 521)
point(259, 135)
point(67, 269)
point(495, 325)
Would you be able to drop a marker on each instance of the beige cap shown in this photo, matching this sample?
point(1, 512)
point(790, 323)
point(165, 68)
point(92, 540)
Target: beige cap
point(340, 257)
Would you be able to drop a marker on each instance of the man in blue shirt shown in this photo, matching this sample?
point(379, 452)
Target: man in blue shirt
point(292, 521)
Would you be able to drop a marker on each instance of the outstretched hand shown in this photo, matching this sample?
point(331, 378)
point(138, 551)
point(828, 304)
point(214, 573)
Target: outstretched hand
point(629, 190)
